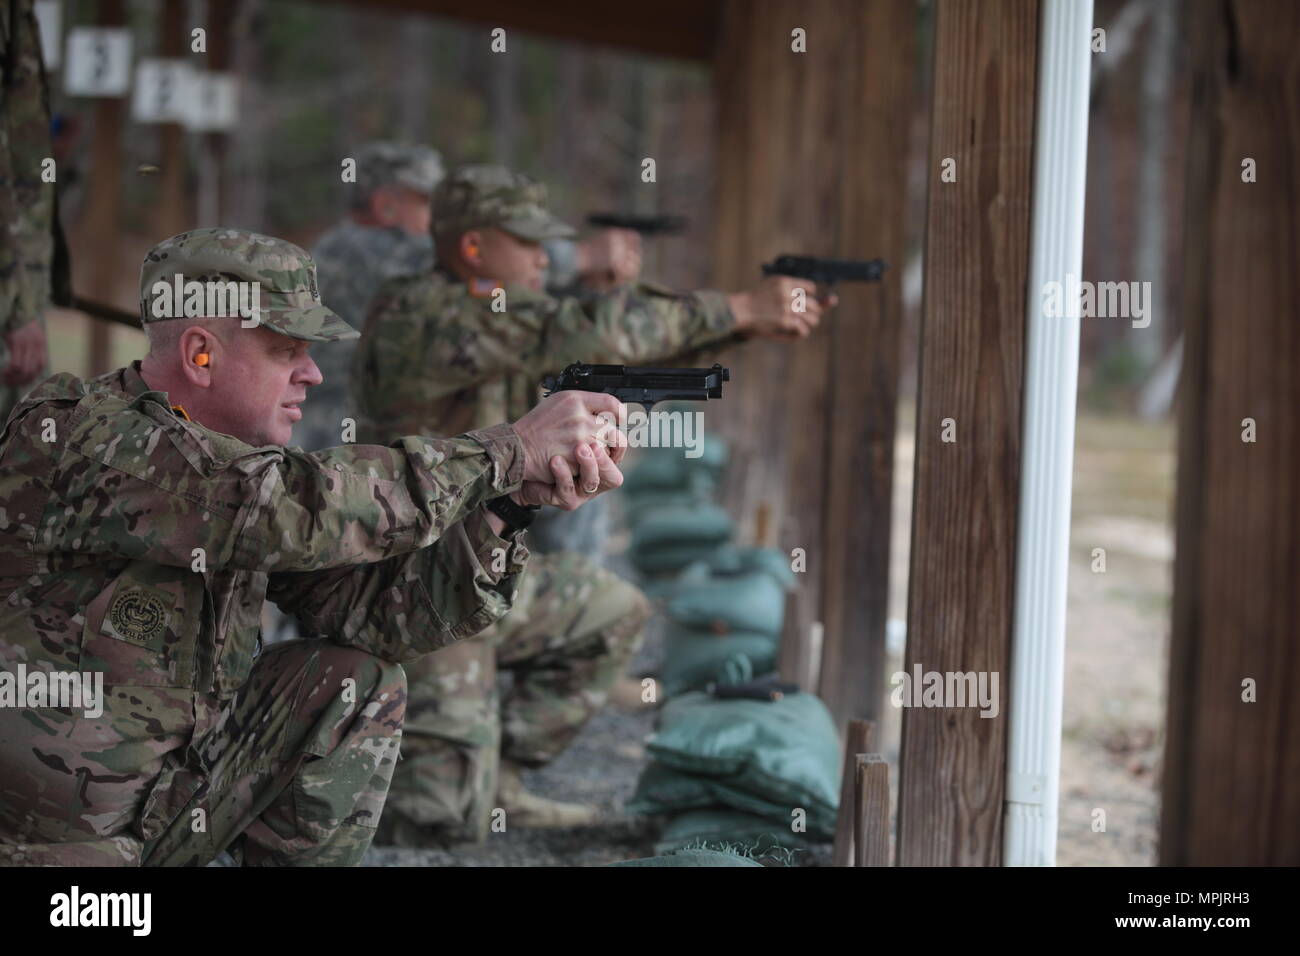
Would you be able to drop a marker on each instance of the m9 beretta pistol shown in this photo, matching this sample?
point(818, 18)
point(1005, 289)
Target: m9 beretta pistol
point(645, 386)
point(826, 271)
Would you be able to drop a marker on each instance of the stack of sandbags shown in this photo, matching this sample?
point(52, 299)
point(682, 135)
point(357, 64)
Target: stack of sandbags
point(762, 769)
point(667, 503)
point(725, 613)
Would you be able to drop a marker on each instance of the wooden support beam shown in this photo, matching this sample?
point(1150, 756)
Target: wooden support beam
point(863, 360)
point(103, 196)
point(170, 203)
point(871, 811)
point(859, 738)
point(1231, 793)
point(212, 172)
point(811, 160)
point(961, 590)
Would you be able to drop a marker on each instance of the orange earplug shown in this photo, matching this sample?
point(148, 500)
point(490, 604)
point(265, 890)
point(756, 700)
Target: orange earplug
point(201, 358)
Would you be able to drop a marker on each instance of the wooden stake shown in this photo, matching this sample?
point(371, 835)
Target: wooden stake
point(859, 738)
point(871, 812)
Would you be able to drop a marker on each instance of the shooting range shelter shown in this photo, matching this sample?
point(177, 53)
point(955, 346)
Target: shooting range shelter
point(811, 158)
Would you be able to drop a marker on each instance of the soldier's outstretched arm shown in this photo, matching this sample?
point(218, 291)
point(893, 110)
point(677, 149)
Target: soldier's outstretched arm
point(535, 335)
point(411, 604)
point(135, 482)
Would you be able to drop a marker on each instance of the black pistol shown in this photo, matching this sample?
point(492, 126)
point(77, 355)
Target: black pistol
point(646, 225)
point(826, 271)
point(645, 386)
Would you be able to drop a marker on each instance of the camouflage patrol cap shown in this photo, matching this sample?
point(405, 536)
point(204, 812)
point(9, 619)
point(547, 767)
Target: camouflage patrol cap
point(397, 164)
point(280, 278)
point(475, 196)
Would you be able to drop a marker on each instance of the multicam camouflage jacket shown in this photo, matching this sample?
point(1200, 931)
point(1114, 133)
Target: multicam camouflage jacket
point(26, 199)
point(436, 359)
point(139, 545)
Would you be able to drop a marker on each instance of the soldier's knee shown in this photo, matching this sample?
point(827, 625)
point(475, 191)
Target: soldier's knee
point(628, 609)
point(365, 677)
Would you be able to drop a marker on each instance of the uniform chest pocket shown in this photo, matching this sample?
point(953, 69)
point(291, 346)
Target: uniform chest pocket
point(141, 630)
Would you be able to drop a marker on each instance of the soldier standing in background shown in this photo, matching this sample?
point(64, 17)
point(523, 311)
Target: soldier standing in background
point(386, 234)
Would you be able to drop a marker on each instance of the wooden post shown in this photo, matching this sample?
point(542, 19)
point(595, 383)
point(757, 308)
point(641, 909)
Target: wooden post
point(169, 205)
point(960, 601)
point(811, 159)
point(859, 738)
point(211, 170)
point(100, 219)
point(871, 811)
point(1231, 793)
point(799, 657)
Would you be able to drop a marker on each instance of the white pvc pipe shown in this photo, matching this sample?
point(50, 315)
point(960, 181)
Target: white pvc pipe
point(1051, 374)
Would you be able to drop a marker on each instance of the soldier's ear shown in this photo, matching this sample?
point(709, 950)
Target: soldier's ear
point(471, 247)
point(196, 352)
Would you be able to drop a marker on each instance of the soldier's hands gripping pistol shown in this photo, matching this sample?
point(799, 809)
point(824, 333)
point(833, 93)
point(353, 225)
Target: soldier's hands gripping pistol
point(645, 386)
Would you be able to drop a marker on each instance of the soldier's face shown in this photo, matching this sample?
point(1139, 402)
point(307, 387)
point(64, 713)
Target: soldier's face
point(258, 383)
point(404, 209)
point(508, 258)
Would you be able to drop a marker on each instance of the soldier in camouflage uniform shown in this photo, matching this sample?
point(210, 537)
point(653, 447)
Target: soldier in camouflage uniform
point(469, 343)
point(144, 517)
point(386, 234)
point(27, 238)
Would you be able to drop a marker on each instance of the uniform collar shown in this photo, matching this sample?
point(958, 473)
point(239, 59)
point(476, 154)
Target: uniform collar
point(133, 383)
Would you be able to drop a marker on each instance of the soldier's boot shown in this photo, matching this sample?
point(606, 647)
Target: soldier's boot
point(629, 694)
point(294, 770)
point(524, 809)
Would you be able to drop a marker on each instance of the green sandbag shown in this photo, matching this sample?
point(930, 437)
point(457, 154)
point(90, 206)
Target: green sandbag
point(766, 757)
point(664, 467)
point(692, 858)
point(693, 659)
point(723, 825)
point(670, 559)
point(753, 602)
point(673, 536)
point(727, 559)
point(663, 790)
point(737, 560)
point(638, 507)
point(668, 473)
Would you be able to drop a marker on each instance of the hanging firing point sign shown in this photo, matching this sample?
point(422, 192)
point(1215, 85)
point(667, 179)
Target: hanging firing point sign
point(163, 92)
point(98, 62)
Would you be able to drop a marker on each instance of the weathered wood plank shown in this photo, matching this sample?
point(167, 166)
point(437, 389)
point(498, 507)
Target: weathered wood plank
point(1231, 793)
point(960, 601)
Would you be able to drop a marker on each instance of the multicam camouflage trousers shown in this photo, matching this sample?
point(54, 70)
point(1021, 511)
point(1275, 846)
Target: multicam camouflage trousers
point(570, 634)
point(294, 772)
